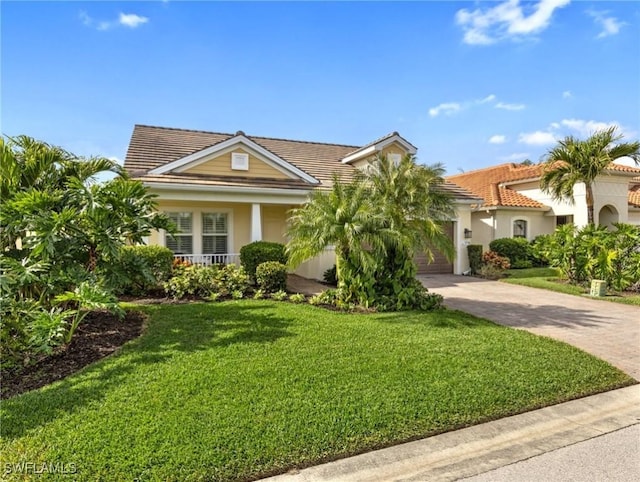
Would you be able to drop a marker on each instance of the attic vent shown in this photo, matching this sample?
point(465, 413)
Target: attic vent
point(239, 161)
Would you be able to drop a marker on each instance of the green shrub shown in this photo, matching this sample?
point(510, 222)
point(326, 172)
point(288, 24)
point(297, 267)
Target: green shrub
point(297, 298)
point(259, 295)
point(140, 269)
point(280, 295)
point(330, 276)
point(271, 276)
point(522, 264)
point(258, 252)
point(475, 257)
point(203, 281)
point(517, 250)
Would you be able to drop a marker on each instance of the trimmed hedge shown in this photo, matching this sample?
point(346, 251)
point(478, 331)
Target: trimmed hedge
point(271, 276)
point(518, 250)
point(258, 252)
point(475, 257)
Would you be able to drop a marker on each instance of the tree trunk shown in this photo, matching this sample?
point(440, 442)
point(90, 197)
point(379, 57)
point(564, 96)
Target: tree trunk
point(589, 199)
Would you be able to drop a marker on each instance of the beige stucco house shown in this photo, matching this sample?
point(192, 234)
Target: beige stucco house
point(514, 205)
point(227, 190)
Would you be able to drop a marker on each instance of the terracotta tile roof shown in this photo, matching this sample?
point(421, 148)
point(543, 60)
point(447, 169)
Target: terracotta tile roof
point(459, 192)
point(622, 168)
point(151, 147)
point(486, 184)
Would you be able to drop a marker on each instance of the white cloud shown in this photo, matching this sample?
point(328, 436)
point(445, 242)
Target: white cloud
point(518, 156)
point(502, 105)
point(447, 108)
point(609, 25)
point(537, 138)
point(567, 94)
point(489, 98)
point(132, 20)
point(497, 139)
point(585, 128)
point(485, 26)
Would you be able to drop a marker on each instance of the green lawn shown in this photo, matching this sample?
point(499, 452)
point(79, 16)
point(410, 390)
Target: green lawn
point(241, 389)
point(549, 279)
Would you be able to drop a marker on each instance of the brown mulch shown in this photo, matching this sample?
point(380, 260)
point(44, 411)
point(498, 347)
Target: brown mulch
point(99, 335)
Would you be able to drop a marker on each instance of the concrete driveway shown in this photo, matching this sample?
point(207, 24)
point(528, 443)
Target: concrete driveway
point(610, 331)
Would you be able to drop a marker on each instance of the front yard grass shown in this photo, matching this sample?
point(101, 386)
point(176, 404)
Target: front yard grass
point(243, 389)
point(549, 279)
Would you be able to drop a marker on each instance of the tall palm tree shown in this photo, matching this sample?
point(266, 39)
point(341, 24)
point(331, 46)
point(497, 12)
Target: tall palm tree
point(413, 203)
point(573, 161)
point(345, 218)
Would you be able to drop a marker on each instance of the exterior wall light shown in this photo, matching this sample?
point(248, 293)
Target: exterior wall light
point(467, 233)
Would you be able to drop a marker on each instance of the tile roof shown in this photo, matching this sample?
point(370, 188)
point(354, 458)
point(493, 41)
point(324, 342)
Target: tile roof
point(381, 139)
point(487, 184)
point(151, 147)
point(491, 183)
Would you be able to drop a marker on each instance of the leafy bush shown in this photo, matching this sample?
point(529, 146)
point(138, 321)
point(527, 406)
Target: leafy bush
point(140, 269)
point(517, 250)
point(259, 295)
point(491, 258)
point(475, 257)
point(330, 276)
point(280, 295)
point(327, 297)
point(594, 252)
point(271, 276)
point(254, 254)
point(203, 281)
point(297, 298)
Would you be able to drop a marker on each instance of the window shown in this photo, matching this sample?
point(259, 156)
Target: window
point(182, 241)
point(239, 161)
point(214, 233)
point(519, 228)
point(395, 158)
point(561, 220)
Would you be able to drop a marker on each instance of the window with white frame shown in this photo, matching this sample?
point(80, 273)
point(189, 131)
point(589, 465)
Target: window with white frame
point(239, 161)
point(395, 158)
point(215, 233)
point(182, 241)
point(520, 228)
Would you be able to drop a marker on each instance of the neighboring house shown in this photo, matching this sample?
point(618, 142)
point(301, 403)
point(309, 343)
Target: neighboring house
point(515, 206)
point(227, 190)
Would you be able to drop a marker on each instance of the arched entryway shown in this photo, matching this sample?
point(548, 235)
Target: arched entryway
point(607, 216)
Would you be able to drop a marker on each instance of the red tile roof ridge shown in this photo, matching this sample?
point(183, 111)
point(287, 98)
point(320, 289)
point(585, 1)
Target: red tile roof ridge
point(246, 135)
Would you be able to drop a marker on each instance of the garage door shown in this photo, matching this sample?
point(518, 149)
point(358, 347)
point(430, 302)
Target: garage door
point(440, 265)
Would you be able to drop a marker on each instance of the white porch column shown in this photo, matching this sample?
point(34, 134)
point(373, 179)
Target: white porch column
point(256, 222)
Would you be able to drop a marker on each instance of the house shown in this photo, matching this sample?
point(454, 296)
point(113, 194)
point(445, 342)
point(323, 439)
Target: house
point(513, 205)
point(226, 190)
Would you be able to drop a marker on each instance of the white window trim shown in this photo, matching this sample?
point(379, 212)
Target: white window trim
point(196, 226)
point(521, 218)
point(203, 234)
point(163, 233)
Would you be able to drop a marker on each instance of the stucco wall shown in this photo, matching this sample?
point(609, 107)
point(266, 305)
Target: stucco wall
point(497, 224)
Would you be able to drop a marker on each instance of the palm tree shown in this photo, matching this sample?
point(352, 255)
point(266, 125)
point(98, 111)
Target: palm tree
point(573, 161)
point(413, 202)
point(345, 218)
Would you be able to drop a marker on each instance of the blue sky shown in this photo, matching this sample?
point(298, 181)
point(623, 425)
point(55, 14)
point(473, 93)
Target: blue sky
point(471, 84)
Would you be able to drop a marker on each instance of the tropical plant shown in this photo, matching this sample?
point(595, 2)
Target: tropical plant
point(348, 219)
point(575, 161)
point(59, 230)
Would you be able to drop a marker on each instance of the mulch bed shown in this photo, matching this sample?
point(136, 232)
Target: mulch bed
point(99, 335)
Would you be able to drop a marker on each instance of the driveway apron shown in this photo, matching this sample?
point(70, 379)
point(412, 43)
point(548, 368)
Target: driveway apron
point(610, 331)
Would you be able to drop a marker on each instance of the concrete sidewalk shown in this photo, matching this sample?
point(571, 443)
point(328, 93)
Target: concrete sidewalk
point(482, 448)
